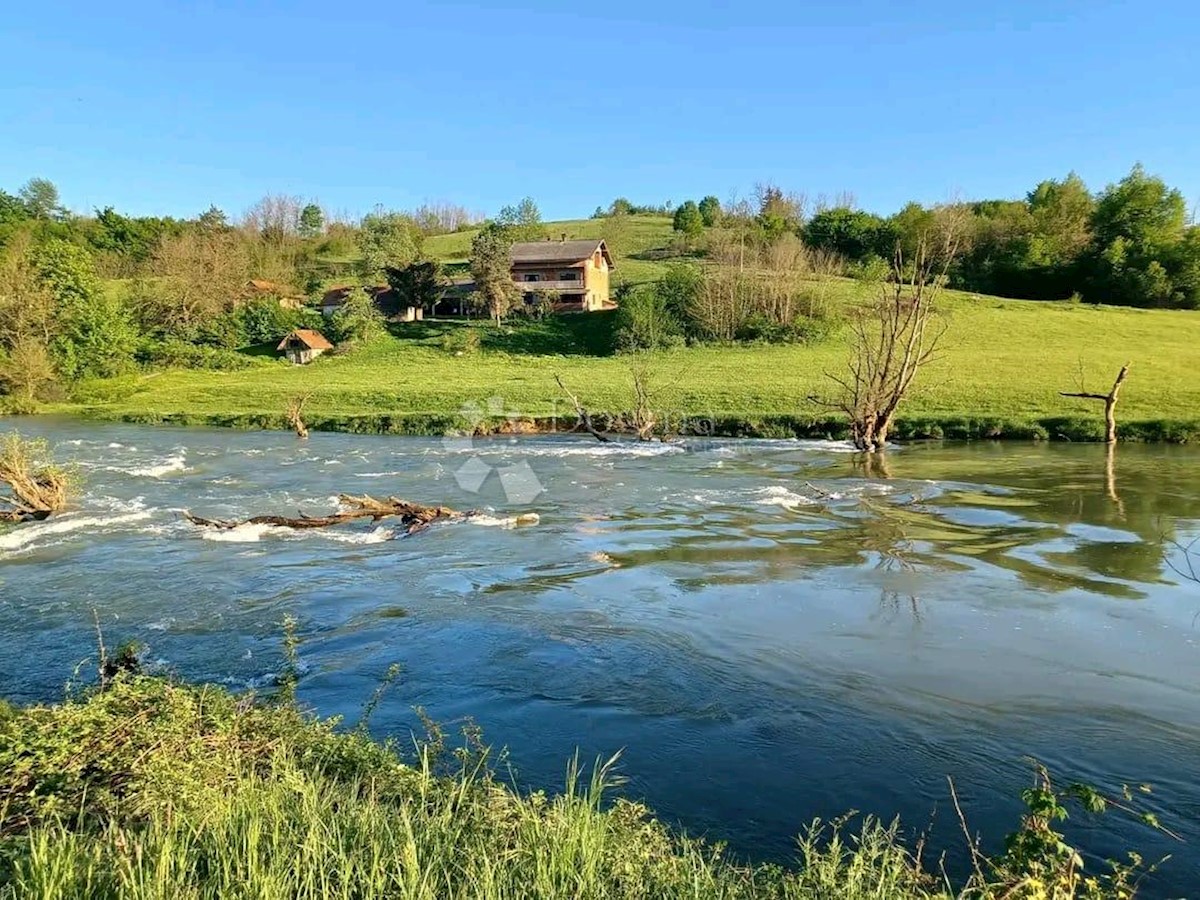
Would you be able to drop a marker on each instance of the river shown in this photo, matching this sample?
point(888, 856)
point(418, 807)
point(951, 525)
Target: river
point(766, 630)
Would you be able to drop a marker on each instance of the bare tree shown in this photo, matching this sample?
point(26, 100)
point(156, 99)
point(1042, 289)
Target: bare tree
point(895, 336)
point(295, 415)
point(274, 217)
point(1109, 400)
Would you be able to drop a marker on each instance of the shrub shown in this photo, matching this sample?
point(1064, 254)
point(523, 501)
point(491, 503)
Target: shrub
point(179, 354)
point(645, 322)
point(462, 341)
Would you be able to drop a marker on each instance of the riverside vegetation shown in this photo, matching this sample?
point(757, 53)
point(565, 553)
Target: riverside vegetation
point(742, 308)
point(147, 788)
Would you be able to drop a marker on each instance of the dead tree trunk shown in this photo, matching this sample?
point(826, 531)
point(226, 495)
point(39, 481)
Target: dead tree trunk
point(581, 413)
point(295, 412)
point(1110, 403)
point(413, 517)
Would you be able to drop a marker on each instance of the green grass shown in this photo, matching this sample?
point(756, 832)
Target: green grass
point(151, 790)
point(640, 245)
point(1002, 365)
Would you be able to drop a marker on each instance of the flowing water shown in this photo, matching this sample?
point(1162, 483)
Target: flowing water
point(768, 631)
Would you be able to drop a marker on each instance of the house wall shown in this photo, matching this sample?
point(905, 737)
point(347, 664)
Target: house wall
point(301, 356)
point(596, 279)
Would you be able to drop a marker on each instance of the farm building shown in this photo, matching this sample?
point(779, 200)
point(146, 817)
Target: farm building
point(575, 272)
point(303, 345)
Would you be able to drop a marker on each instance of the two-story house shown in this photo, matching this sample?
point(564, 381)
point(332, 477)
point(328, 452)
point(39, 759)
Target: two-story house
point(576, 271)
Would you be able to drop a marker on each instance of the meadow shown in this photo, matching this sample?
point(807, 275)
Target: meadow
point(1000, 367)
point(999, 371)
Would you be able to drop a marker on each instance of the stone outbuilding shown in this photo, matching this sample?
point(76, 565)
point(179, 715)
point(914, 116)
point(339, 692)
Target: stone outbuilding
point(304, 345)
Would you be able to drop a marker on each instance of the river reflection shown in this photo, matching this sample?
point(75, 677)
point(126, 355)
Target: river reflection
point(769, 629)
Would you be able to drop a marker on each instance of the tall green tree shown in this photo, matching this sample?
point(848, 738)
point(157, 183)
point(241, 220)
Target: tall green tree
point(95, 333)
point(523, 221)
point(853, 233)
point(491, 267)
point(358, 319)
point(688, 220)
point(40, 196)
point(1138, 228)
point(312, 221)
point(419, 284)
point(388, 239)
point(710, 210)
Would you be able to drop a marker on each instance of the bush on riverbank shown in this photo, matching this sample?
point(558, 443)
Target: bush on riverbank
point(150, 789)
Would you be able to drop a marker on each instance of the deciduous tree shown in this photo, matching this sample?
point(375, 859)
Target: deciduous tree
point(688, 220)
point(387, 239)
point(491, 266)
point(312, 221)
point(40, 196)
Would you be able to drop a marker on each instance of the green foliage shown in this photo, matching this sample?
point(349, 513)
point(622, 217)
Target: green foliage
point(710, 211)
point(419, 284)
point(175, 353)
point(491, 267)
point(95, 335)
point(462, 341)
point(27, 374)
point(357, 320)
point(688, 219)
point(1139, 227)
point(312, 221)
point(523, 222)
point(645, 321)
point(149, 789)
point(678, 287)
point(778, 213)
point(388, 239)
point(134, 238)
point(40, 196)
point(264, 320)
point(852, 233)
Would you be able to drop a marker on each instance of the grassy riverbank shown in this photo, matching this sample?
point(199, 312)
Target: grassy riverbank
point(1002, 365)
point(153, 790)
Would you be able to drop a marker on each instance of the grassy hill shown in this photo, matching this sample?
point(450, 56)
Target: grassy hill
point(1002, 365)
point(641, 245)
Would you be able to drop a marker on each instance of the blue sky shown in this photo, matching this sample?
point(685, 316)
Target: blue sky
point(166, 107)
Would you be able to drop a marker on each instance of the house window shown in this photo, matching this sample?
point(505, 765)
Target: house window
point(568, 276)
point(533, 276)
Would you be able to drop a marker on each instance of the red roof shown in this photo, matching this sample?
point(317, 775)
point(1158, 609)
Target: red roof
point(314, 340)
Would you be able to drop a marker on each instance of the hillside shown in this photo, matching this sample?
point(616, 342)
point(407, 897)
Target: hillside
point(1002, 365)
point(641, 245)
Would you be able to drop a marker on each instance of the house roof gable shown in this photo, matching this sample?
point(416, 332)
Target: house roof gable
point(558, 252)
point(314, 340)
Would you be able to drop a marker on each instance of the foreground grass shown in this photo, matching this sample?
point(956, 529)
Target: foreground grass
point(1002, 365)
point(154, 790)
point(151, 789)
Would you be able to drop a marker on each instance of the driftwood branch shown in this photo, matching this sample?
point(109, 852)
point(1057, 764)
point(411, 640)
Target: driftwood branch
point(413, 517)
point(35, 487)
point(585, 417)
point(1109, 400)
point(295, 415)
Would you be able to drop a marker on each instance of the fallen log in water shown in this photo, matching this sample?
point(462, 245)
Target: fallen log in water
point(413, 517)
point(33, 487)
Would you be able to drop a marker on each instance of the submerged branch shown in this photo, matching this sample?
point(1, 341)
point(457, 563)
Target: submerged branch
point(413, 516)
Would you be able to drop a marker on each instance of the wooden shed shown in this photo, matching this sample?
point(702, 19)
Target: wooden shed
point(304, 345)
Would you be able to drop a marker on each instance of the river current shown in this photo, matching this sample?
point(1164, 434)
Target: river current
point(767, 630)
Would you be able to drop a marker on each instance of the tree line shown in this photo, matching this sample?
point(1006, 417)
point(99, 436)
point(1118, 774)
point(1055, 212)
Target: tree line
point(1131, 244)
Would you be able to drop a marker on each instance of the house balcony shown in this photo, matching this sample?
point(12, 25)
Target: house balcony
point(563, 287)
